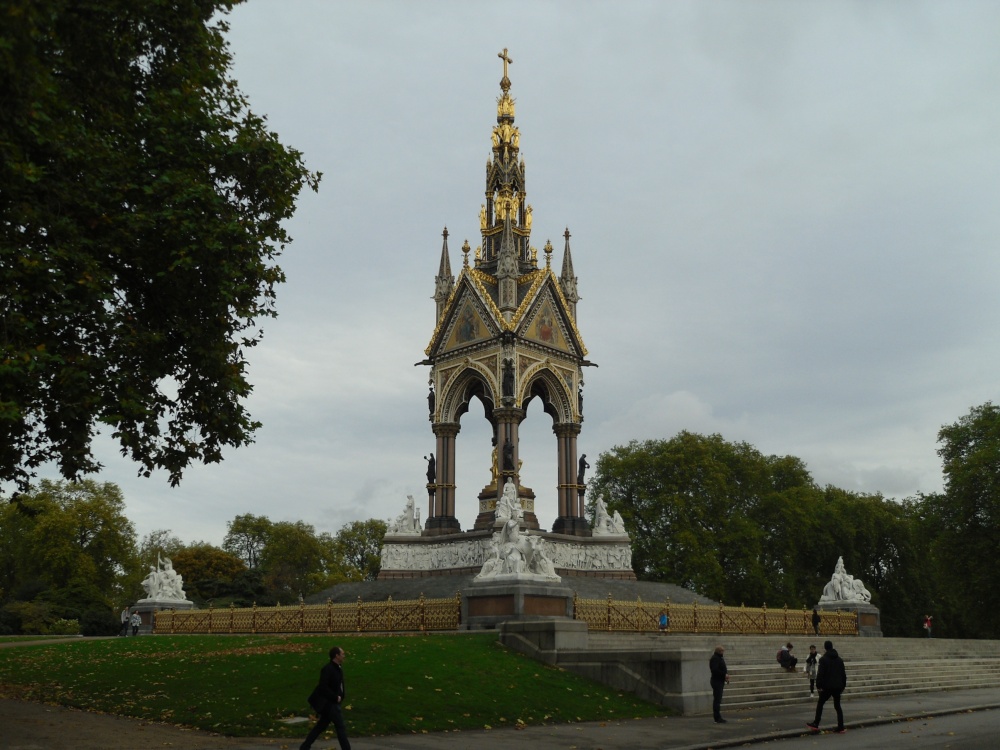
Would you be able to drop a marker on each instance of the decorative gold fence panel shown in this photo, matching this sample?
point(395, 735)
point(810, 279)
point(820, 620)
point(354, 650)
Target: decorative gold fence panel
point(643, 617)
point(388, 616)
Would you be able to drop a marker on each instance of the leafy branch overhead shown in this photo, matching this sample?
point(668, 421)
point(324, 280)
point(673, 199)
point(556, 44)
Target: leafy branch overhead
point(141, 217)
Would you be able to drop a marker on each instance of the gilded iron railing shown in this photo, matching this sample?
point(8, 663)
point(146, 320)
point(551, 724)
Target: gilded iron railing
point(388, 616)
point(644, 617)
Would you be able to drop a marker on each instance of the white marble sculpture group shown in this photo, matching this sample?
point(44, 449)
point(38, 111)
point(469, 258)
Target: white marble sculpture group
point(407, 523)
point(163, 583)
point(844, 587)
point(513, 555)
point(607, 525)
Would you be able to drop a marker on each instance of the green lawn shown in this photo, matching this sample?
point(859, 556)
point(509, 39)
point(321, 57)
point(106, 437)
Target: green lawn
point(14, 638)
point(244, 685)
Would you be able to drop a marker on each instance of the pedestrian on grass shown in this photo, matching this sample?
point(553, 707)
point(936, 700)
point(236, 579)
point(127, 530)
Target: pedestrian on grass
point(720, 678)
point(812, 666)
point(816, 621)
point(136, 622)
point(831, 680)
point(326, 700)
point(125, 620)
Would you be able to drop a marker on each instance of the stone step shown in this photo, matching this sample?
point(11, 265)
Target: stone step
point(756, 692)
point(848, 695)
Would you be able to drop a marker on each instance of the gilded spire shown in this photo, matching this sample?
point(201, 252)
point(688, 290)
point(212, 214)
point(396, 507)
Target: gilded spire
point(505, 207)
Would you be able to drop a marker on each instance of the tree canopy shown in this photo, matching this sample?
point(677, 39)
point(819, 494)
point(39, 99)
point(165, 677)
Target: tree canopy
point(65, 550)
point(141, 216)
point(731, 523)
point(963, 523)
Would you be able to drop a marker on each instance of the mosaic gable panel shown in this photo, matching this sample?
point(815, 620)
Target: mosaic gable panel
point(467, 328)
point(545, 327)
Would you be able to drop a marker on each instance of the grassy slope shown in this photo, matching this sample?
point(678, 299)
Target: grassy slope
point(244, 685)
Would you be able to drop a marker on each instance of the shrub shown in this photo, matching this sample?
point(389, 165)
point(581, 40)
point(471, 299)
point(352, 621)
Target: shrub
point(99, 621)
point(35, 618)
point(63, 626)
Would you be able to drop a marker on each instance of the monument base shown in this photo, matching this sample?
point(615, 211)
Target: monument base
point(572, 526)
point(488, 506)
point(869, 616)
point(439, 525)
point(486, 605)
point(147, 609)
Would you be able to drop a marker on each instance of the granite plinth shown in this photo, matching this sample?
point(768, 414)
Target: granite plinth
point(486, 605)
point(147, 609)
point(869, 616)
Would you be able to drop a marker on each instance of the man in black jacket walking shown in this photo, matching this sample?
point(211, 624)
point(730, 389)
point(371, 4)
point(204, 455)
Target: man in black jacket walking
point(831, 681)
point(720, 678)
point(326, 700)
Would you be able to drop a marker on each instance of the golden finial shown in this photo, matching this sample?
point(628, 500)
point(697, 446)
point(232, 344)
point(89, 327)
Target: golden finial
point(548, 253)
point(465, 254)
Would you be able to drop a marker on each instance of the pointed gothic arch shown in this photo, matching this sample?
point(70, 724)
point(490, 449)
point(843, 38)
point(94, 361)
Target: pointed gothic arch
point(473, 381)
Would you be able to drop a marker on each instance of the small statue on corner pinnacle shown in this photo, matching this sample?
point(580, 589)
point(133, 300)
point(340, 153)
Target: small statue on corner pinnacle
point(430, 401)
point(431, 469)
point(582, 469)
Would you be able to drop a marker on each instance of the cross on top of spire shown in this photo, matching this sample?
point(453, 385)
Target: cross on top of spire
point(505, 81)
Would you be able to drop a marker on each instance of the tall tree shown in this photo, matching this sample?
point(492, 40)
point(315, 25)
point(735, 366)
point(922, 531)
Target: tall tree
point(714, 516)
point(292, 560)
point(358, 547)
point(207, 571)
point(76, 543)
point(967, 515)
point(140, 220)
point(246, 538)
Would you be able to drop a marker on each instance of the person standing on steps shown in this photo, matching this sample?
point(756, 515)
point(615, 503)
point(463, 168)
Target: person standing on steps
point(812, 665)
point(326, 700)
point(720, 678)
point(831, 680)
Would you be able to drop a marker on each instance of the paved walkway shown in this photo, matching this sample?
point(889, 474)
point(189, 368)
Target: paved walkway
point(30, 726)
point(697, 733)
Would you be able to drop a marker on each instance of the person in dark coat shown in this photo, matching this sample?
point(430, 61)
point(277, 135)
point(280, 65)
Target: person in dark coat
point(326, 700)
point(831, 679)
point(816, 621)
point(785, 658)
point(720, 678)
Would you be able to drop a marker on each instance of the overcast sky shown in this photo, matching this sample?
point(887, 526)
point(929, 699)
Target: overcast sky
point(785, 220)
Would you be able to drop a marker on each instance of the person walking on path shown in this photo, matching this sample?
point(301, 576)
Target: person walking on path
point(125, 621)
point(816, 621)
point(928, 622)
point(664, 621)
point(812, 665)
point(831, 679)
point(720, 678)
point(326, 700)
point(136, 622)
